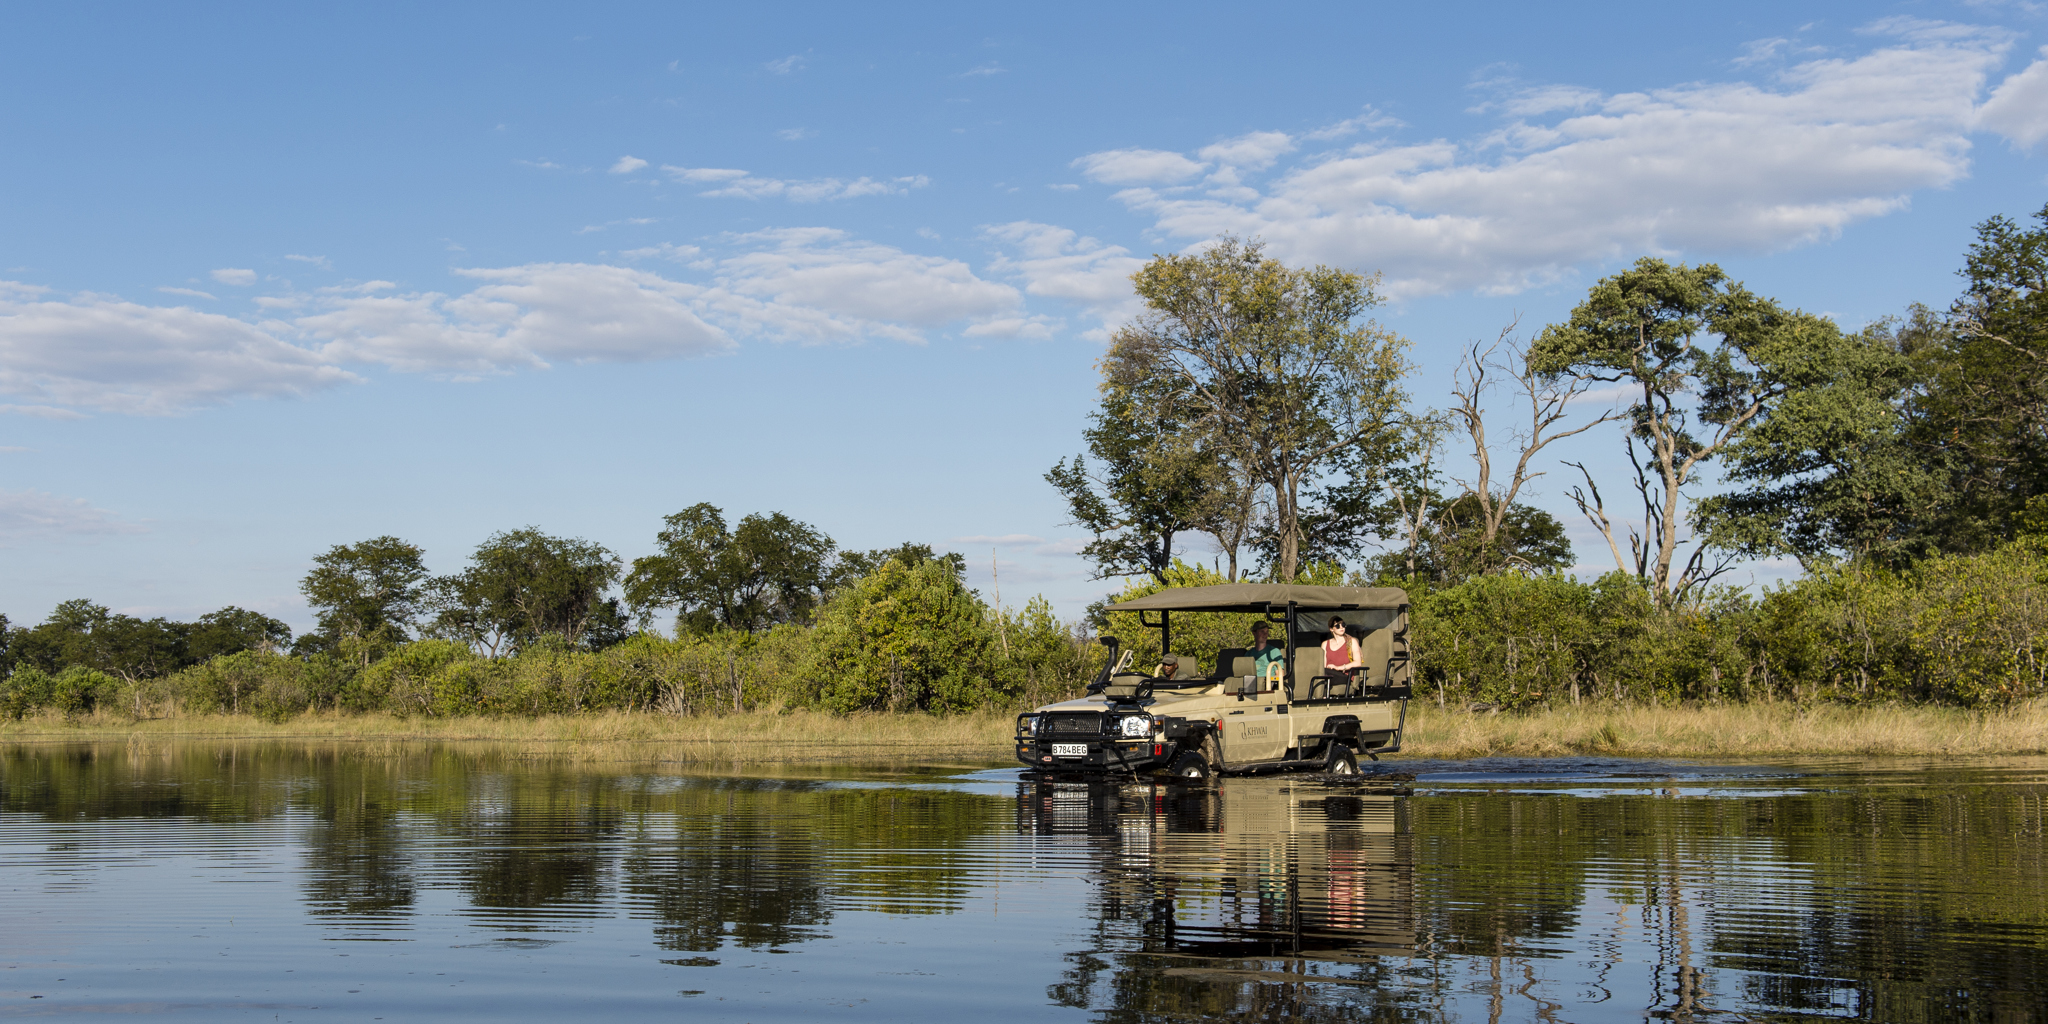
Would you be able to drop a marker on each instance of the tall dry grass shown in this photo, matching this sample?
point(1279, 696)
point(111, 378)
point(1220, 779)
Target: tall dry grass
point(807, 737)
point(1759, 729)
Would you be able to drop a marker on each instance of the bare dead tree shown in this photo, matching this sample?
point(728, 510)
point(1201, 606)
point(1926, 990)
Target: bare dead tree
point(1697, 572)
point(1412, 501)
point(1547, 397)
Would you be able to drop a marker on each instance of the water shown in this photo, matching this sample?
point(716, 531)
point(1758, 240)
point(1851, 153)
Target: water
point(316, 883)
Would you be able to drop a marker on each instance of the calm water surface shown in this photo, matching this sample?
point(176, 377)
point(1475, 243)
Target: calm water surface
point(317, 883)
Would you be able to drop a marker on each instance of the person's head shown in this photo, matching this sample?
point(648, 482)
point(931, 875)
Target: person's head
point(1336, 626)
point(1261, 632)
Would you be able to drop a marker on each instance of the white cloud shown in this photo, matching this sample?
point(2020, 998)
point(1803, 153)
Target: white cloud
point(738, 184)
point(1255, 151)
point(1703, 167)
point(794, 134)
point(193, 292)
point(117, 356)
point(819, 284)
point(1056, 263)
point(1064, 186)
point(664, 250)
point(318, 261)
point(238, 278)
point(526, 316)
point(28, 513)
point(793, 62)
point(990, 68)
point(1138, 166)
point(627, 165)
point(47, 412)
point(2018, 108)
point(805, 284)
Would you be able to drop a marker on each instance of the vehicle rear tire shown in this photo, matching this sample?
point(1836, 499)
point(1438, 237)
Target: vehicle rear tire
point(1190, 767)
point(1341, 760)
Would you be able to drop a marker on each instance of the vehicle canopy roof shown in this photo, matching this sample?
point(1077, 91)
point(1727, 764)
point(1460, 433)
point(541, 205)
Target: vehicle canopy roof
point(1261, 597)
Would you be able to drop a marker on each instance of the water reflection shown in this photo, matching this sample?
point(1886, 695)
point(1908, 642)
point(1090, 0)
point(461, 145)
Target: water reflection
point(1617, 891)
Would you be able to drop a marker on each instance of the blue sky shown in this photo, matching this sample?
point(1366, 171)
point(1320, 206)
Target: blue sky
point(275, 279)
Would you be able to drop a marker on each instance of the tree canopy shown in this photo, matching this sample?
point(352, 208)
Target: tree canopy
point(768, 569)
point(1274, 373)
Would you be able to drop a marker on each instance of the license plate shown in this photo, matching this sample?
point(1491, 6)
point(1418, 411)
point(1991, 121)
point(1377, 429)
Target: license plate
point(1070, 750)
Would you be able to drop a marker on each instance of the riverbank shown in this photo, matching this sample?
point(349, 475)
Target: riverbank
point(799, 737)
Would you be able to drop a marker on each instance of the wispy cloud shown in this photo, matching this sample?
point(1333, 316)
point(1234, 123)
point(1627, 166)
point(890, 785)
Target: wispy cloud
point(240, 278)
point(983, 70)
point(627, 165)
point(793, 62)
point(737, 184)
point(193, 292)
point(35, 513)
point(1573, 176)
point(794, 134)
point(318, 261)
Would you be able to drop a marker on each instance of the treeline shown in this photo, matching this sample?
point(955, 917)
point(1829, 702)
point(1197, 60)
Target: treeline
point(766, 614)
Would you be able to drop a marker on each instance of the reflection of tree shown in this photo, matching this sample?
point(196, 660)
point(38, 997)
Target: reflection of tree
point(356, 859)
point(540, 845)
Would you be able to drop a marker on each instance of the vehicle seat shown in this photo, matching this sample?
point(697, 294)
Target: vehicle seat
point(1225, 659)
point(1308, 664)
point(1376, 653)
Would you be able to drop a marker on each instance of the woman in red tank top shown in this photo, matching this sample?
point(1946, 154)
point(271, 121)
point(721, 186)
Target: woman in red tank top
point(1340, 652)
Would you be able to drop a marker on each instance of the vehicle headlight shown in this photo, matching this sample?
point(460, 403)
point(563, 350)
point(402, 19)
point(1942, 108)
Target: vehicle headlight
point(1031, 724)
point(1137, 725)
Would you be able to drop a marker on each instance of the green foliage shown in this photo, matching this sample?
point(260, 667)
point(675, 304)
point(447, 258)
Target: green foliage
point(522, 585)
point(768, 570)
point(1452, 547)
point(1707, 358)
point(907, 637)
point(1275, 371)
point(368, 590)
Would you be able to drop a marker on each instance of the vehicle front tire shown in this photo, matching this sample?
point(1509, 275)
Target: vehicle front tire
point(1190, 767)
point(1341, 760)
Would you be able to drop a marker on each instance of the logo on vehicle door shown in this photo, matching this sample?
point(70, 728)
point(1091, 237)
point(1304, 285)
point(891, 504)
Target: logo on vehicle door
point(1254, 730)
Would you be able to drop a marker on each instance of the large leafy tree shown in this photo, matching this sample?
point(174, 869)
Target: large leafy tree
point(1276, 370)
point(1831, 469)
point(1703, 358)
point(766, 570)
point(1154, 480)
point(370, 590)
point(233, 629)
point(522, 585)
point(1983, 412)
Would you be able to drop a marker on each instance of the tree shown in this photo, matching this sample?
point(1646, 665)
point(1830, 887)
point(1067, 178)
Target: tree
point(1275, 369)
point(770, 569)
point(906, 637)
point(233, 629)
point(1468, 538)
point(522, 585)
point(1831, 470)
point(1154, 484)
point(369, 590)
point(1649, 327)
point(854, 566)
point(1548, 398)
point(1983, 412)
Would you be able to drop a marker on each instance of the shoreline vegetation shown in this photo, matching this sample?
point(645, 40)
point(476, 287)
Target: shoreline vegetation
point(770, 737)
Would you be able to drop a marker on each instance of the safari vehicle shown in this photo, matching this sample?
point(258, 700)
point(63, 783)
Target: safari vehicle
point(1229, 720)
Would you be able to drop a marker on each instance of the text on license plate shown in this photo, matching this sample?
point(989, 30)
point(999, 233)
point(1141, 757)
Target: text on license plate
point(1070, 750)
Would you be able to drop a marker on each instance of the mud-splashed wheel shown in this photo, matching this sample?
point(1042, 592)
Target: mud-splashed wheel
point(1341, 761)
point(1190, 767)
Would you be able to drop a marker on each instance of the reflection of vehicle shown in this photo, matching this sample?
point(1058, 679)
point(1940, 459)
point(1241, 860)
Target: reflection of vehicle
point(1260, 868)
point(1232, 720)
